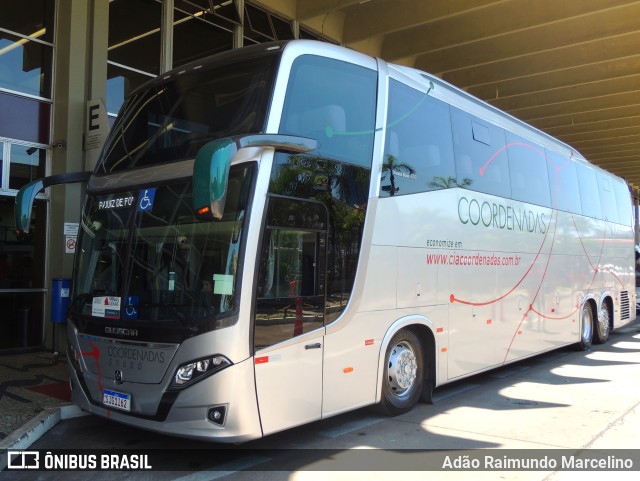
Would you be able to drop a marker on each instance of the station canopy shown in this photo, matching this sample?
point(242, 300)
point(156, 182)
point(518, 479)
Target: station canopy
point(570, 68)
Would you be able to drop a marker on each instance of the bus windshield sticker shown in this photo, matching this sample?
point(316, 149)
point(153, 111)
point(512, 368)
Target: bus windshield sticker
point(145, 202)
point(223, 284)
point(106, 306)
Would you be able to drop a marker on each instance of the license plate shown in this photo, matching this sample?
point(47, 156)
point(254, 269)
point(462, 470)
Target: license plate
point(116, 400)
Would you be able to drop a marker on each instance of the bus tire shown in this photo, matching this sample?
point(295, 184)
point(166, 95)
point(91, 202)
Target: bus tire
point(586, 327)
point(427, 392)
point(402, 383)
point(602, 326)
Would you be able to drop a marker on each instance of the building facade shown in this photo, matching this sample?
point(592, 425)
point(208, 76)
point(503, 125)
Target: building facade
point(56, 56)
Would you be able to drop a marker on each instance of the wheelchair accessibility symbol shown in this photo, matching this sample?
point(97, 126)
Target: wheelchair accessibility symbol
point(131, 307)
point(145, 199)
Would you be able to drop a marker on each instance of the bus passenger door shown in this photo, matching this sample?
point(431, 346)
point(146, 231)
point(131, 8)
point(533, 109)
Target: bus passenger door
point(289, 314)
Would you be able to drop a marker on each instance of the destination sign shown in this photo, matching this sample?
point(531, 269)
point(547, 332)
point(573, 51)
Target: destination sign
point(115, 203)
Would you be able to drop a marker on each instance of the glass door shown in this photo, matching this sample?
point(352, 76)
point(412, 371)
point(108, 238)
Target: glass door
point(22, 286)
point(289, 315)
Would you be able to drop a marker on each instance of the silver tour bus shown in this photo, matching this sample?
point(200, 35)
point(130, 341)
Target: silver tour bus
point(286, 232)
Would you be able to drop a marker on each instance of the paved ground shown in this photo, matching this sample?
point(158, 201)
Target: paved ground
point(564, 401)
point(29, 384)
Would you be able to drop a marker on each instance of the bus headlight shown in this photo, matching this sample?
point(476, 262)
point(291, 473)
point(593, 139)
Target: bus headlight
point(195, 370)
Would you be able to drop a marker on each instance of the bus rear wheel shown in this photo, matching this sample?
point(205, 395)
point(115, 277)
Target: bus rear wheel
point(601, 332)
point(586, 326)
point(403, 378)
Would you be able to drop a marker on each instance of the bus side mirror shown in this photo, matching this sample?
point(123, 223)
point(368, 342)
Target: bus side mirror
point(210, 176)
point(27, 194)
point(24, 202)
point(211, 167)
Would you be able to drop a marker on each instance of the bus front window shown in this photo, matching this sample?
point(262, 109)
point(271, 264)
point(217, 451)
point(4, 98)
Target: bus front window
point(103, 237)
point(147, 255)
point(171, 120)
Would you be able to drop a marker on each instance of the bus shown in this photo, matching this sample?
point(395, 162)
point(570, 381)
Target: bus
point(289, 231)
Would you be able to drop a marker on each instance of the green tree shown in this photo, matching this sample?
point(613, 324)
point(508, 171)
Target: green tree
point(449, 182)
point(393, 166)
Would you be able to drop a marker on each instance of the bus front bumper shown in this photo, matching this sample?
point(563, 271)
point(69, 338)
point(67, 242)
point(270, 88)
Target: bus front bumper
point(221, 407)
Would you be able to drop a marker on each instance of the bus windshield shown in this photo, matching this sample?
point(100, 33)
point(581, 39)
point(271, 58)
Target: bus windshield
point(144, 256)
point(169, 121)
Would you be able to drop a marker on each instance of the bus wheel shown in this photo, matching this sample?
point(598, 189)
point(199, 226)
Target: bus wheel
point(586, 326)
point(403, 374)
point(601, 334)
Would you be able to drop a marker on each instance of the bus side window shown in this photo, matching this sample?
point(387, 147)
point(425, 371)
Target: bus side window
point(326, 124)
point(483, 144)
point(608, 199)
point(623, 197)
point(528, 170)
point(589, 192)
point(333, 102)
point(565, 193)
point(418, 153)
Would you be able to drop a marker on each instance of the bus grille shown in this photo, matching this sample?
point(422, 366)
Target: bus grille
point(624, 305)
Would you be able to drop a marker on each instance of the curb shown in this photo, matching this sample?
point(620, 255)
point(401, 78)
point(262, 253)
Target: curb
point(23, 437)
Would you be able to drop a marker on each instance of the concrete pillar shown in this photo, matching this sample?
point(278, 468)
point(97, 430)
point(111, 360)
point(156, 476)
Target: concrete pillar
point(238, 31)
point(81, 74)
